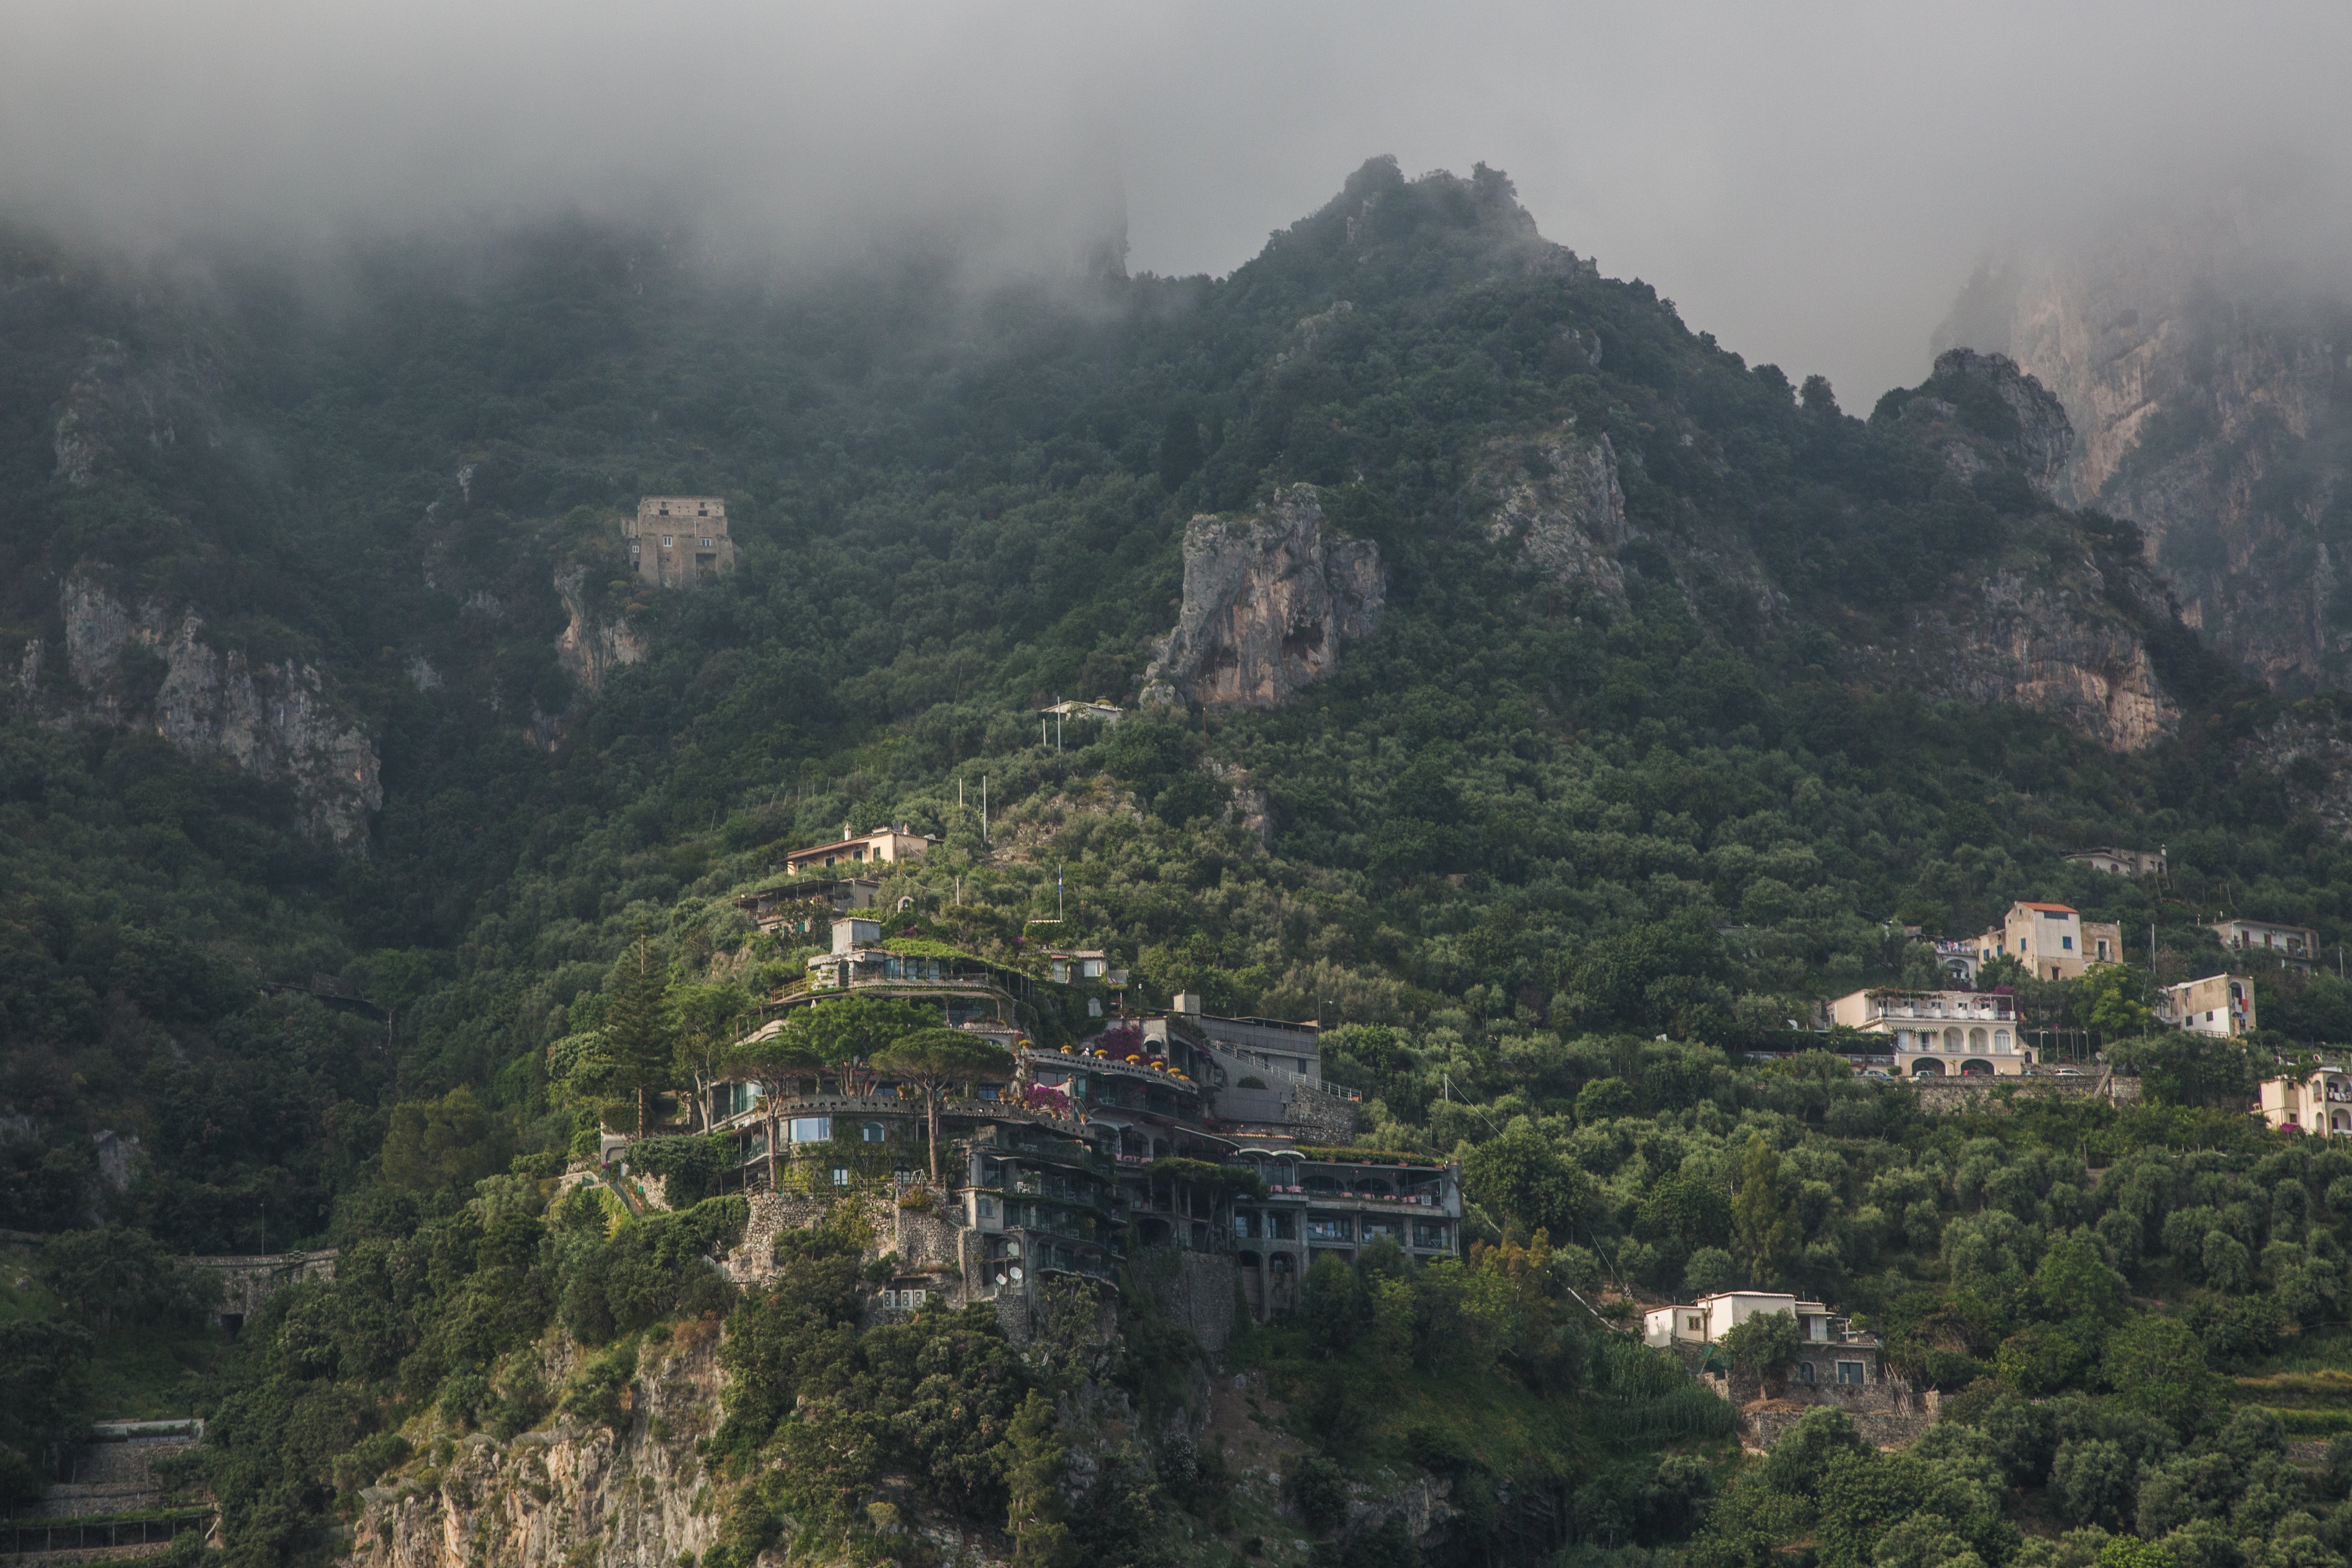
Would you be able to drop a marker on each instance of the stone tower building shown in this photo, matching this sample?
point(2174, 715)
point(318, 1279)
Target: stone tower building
point(678, 541)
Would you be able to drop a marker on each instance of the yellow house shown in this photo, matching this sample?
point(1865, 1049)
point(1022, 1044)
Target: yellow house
point(2321, 1102)
point(2054, 941)
point(881, 846)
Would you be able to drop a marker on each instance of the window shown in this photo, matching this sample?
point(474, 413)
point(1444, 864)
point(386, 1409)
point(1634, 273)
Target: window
point(1696, 1323)
point(875, 1133)
point(1245, 1225)
point(812, 1128)
point(1850, 1371)
point(1428, 1233)
point(1804, 1372)
point(1323, 1229)
point(988, 1209)
point(667, 542)
point(709, 544)
point(841, 1175)
point(2066, 942)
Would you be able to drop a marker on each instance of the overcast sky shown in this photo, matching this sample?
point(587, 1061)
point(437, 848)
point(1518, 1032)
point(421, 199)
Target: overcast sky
point(1811, 182)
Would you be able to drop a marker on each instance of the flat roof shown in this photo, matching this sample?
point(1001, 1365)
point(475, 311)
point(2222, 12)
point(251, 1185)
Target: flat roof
point(2061, 908)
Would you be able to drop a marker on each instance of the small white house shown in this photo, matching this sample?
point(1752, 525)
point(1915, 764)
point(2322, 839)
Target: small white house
point(1841, 1356)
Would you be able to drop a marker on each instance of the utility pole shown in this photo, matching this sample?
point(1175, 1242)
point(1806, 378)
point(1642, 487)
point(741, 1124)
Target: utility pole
point(983, 811)
point(1057, 733)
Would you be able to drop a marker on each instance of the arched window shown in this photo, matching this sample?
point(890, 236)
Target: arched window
point(875, 1132)
point(2001, 1042)
point(1977, 1041)
point(1951, 1039)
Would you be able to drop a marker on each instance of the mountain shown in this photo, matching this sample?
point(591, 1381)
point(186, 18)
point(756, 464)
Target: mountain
point(2208, 385)
point(1515, 680)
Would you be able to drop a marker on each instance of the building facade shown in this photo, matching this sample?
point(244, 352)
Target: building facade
point(2316, 1101)
point(2054, 941)
point(1831, 1351)
point(882, 847)
point(2117, 862)
point(2295, 946)
point(2218, 1005)
point(679, 541)
point(1936, 1033)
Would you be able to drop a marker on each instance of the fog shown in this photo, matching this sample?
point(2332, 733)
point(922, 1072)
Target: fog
point(1810, 181)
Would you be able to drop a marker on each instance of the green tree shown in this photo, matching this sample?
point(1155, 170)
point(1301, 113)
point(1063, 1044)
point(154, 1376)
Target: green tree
point(119, 1277)
point(2106, 999)
point(845, 1034)
point(1522, 1178)
point(1764, 1346)
point(2158, 1365)
point(709, 1019)
point(1767, 1234)
point(640, 1029)
point(432, 1145)
point(1033, 1478)
point(933, 1061)
point(773, 1059)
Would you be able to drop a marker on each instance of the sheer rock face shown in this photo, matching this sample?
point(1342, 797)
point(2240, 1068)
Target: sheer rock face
point(588, 647)
point(1556, 494)
point(1268, 601)
point(2044, 437)
point(2204, 389)
point(571, 1495)
point(275, 721)
point(2050, 641)
point(2308, 749)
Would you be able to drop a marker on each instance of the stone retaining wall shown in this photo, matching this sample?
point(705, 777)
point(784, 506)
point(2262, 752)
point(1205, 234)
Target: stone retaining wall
point(1952, 1096)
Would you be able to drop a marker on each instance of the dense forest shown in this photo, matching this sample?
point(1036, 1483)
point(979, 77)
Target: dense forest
point(1555, 859)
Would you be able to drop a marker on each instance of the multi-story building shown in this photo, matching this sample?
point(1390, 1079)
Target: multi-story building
point(2117, 862)
point(2216, 1004)
point(679, 541)
point(2317, 1102)
point(2054, 941)
point(1938, 1032)
point(2295, 946)
point(1831, 1350)
point(881, 847)
point(806, 906)
point(1079, 1156)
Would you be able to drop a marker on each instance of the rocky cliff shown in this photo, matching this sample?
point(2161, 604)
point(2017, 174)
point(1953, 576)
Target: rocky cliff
point(1268, 601)
point(1555, 501)
point(2048, 639)
point(632, 1495)
point(589, 646)
point(152, 668)
point(2204, 390)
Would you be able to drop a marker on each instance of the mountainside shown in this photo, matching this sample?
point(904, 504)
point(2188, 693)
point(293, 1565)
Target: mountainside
point(1551, 705)
point(2210, 398)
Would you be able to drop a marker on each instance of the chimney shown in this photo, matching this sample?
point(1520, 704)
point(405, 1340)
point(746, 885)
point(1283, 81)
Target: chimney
point(852, 932)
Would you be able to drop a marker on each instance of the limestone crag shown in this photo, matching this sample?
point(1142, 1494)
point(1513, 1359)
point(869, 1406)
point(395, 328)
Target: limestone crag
point(2308, 749)
point(2046, 640)
point(572, 1495)
point(2204, 388)
point(1556, 498)
point(590, 647)
point(274, 722)
point(1268, 601)
point(2043, 437)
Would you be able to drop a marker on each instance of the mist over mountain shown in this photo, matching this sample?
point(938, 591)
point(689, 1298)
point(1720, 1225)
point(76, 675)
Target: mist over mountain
point(1488, 685)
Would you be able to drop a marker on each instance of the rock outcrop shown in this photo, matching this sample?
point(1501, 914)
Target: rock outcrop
point(275, 721)
point(571, 1495)
point(2046, 640)
point(1268, 601)
point(2308, 749)
point(2204, 389)
point(589, 647)
point(1555, 496)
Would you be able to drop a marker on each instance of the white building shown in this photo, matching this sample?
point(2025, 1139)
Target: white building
point(2117, 862)
point(1939, 1031)
point(2218, 1005)
point(2321, 1102)
point(1829, 1351)
point(2289, 944)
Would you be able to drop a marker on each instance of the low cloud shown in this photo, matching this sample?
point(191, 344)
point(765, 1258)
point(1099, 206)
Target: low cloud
point(1813, 183)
